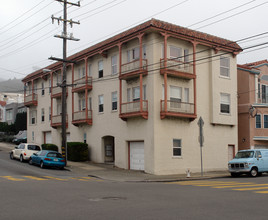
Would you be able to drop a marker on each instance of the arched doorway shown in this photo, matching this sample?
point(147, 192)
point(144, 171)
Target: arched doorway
point(108, 143)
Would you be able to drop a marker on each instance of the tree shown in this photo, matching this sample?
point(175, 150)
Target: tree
point(21, 122)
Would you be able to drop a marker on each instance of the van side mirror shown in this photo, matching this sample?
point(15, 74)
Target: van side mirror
point(16, 147)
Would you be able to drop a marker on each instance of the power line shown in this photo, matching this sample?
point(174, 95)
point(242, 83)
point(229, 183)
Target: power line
point(217, 15)
point(124, 28)
point(25, 19)
point(21, 15)
point(233, 15)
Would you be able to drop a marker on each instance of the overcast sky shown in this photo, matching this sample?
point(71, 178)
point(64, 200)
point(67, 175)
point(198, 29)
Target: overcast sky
point(26, 30)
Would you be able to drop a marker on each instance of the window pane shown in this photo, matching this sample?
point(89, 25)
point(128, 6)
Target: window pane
point(175, 92)
point(114, 64)
point(136, 93)
point(136, 53)
point(225, 98)
point(258, 121)
point(265, 123)
point(225, 108)
point(176, 143)
point(89, 70)
point(176, 151)
point(175, 53)
point(224, 66)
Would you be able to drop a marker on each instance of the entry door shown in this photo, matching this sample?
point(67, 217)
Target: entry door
point(137, 155)
point(48, 138)
point(230, 152)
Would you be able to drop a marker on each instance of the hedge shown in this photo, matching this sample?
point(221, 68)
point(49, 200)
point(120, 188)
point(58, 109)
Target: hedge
point(49, 147)
point(77, 151)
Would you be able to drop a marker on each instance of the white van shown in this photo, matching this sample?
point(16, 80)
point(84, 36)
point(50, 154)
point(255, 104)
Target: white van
point(253, 162)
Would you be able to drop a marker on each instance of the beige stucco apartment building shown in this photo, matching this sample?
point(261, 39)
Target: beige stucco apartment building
point(137, 97)
point(253, 105)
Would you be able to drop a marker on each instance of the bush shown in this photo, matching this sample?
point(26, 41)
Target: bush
point(77, 151)
point(50, 147)
point(6, 138)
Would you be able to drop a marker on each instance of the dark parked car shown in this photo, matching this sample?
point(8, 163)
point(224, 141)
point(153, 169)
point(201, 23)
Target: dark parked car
point(19, 140)
point(47, 158)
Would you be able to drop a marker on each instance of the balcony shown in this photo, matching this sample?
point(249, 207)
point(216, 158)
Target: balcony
point(56, 121)
point(30, 100)
point(80, 117)
point(177, 109)
point(132, 69)
point(82, 84)
point(177, 68)
point(133, 109)
point(56, 92)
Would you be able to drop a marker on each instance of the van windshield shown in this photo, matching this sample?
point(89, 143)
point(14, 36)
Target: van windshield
point(244, 154)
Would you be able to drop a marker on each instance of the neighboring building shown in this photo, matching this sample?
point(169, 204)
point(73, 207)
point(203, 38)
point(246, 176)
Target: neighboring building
point(2, 111)
point(11, 97)
point(11, 111)
point(253, 105)
point(137, 97)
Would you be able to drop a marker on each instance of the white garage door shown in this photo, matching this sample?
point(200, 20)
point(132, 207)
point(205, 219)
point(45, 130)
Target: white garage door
point(48, 138)
point(137, 155)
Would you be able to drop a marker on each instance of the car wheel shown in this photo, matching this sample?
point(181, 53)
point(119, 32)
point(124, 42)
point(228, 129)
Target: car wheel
point(21, 158)
point(42, 164)
point(31, 161)
point(254, 172)
point(11, 156)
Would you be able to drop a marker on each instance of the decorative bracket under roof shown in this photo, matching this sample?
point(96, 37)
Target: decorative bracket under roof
point(103, 53)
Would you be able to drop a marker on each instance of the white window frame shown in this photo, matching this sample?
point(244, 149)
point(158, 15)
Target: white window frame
point(101, 103)
point(33, 117)
point(178, 55)
point(89, 69)
point(43, 89)
point(42, 114)
point(225, 67)
point(81, 72)
point(259, 116)
point(178, 94)
point(186, 95)
point(89, 103)
point(114, 64)
point(82, 104)
point(100, 69)
point(224, 102)
point(49, 113)
point(114, 101)
point(9, 115)
point(177, 147)
point(133, 54)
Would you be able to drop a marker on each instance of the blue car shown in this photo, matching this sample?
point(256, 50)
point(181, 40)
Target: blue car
point(47, 158)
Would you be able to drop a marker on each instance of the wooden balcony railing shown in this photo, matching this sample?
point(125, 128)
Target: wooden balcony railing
point(82, 84)
point(177, 109)
point(56, 91)
point(133, 69)
point(30, 99)
point(177, 68)
point(80, 117)
point(134, 109)
point(56, 121)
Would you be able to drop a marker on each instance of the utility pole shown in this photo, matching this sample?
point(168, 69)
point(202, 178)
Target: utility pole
point(64, 60)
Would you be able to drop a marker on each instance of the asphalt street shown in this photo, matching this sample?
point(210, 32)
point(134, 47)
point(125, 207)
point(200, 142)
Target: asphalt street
point(28, 192)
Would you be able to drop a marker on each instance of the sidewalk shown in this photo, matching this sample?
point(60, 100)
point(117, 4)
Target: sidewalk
point(112, 173)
